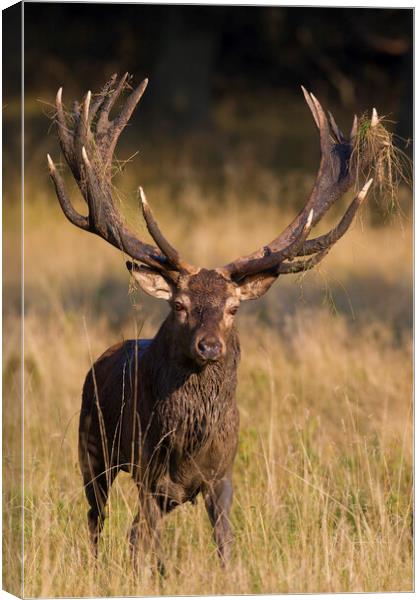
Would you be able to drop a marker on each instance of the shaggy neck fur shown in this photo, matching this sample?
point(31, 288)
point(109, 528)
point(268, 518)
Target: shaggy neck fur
point(190, 401)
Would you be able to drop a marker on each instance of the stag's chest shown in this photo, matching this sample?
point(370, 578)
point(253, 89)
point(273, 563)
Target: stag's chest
point(190, 416)
point(195, 415)
point(198, 419)
point(198, 448)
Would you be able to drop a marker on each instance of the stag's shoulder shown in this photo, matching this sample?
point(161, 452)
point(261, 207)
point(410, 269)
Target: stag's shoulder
point(125, 350)
point(110, 377)
point(116, 358)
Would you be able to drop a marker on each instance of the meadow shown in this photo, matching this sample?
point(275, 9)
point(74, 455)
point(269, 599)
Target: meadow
point(323, 475)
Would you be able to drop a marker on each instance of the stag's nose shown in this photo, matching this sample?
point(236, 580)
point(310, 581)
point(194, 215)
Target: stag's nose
point(209, 348)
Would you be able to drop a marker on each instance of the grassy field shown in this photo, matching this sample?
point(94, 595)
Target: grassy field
point(323, 475)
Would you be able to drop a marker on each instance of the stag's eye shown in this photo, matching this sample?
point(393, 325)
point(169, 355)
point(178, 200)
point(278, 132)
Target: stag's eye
point(233, 310)
point(178, 306)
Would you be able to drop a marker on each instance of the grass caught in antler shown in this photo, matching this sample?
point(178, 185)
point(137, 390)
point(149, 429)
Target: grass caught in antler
point(376, 154)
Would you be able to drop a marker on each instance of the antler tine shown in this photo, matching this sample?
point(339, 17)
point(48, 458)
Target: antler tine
point(82, 129)
point(109, 101)
point(121, 120)
point(353, 132)
point(134, 98)
point(375, 119)
point(99, 98)
point(324, 129)
point(72, 133)
point(310, 103)
point(86, 107)
point(67, 207)
point(153, 228)
point(337, 131)
point(63, 130)
point(327, 240)
point(302, 265)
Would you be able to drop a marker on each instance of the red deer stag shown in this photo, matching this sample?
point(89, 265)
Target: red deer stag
point(164, 409)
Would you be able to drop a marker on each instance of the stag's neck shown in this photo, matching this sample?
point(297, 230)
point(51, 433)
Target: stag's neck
point(175, 376)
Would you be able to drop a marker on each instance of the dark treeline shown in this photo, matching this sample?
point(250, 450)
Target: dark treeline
point(196, 53)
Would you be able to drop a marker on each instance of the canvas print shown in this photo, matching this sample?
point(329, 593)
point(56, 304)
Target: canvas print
point(207, 351)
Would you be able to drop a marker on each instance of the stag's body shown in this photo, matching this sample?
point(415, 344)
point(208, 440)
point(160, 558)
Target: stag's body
point(152, 411)
point(164, 409)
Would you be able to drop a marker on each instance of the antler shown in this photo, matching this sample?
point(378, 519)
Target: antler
point(336, 174)
point(88, 138)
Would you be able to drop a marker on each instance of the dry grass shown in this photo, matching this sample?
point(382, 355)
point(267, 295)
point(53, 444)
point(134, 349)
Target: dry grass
point(390, 166)
point(323, 476)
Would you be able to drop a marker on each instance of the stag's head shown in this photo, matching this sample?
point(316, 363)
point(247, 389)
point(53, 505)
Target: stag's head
point(203, 301)
point(203, 306)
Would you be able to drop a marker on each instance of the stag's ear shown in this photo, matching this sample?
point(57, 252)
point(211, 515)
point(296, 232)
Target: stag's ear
point(150, 281)
point(254, 286)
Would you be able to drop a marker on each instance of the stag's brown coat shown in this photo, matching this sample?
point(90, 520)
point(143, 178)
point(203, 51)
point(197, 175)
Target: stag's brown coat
point(148, 408)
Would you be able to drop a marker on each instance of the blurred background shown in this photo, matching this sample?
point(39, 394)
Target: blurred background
point(227, 152)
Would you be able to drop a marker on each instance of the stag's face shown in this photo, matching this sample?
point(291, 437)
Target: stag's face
point(203, 311)
point(203, 306)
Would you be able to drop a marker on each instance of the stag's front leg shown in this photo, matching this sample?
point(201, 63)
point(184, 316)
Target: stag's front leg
point(218, 501)
point(145, 531)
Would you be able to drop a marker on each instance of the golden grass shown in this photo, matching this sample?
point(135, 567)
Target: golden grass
point(323, 476)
